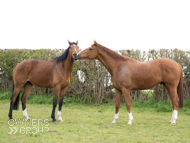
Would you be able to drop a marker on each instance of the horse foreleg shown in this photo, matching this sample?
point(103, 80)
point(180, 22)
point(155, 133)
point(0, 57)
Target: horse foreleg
point(27, 88)
point(62, 94)
point(126, 93)
point(56, 91)
point(118, 96)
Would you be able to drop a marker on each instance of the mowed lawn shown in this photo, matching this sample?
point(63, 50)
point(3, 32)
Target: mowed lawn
point(90, 123)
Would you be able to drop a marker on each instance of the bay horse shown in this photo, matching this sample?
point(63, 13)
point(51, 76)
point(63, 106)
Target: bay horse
point(55, 74)
point(128, 74)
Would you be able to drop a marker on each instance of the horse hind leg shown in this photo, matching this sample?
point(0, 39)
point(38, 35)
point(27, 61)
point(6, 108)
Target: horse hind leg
point(170, 98)
point(14, 104)
point(175, 101)
point(27, 89)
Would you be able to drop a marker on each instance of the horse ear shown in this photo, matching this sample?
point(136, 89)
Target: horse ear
point(95, 42)
point(77, 41)
point(69, 42)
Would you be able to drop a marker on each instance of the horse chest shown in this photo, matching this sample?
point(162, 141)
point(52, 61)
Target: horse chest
point(121, 81)
point(66, 82)
point(115, 84)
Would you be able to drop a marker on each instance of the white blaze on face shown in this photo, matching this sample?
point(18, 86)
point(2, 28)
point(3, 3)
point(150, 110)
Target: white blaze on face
point(79, 52)
point(74, 47)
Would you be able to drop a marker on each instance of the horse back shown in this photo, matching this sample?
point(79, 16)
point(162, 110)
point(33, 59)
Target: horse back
point(144, 75)
point(37, 72)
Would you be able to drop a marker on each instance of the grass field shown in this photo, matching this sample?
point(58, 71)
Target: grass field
point(90, 123)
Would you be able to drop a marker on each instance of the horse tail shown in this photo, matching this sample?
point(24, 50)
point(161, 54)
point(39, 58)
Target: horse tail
point(16, 103)
point(180, 91)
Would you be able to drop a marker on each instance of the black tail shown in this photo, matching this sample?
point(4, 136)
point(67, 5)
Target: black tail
point(16, 103)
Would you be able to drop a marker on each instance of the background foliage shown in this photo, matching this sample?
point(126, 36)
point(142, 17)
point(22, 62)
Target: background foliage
point(91, 81)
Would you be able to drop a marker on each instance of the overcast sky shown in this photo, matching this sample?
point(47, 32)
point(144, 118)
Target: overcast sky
point(127, 24)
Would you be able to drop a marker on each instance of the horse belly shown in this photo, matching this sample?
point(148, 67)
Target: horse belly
point(41, 78)
point(42, 82)
point(142, 84)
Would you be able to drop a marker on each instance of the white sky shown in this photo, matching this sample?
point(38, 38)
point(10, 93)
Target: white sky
point(121, 24)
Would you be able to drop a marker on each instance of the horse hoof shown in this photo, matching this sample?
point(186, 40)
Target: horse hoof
point(173, 121)
point(28, 119)
point(54, 121)
point(130, 122)
point(114, 122)
point(61, 120)
point(11, 120)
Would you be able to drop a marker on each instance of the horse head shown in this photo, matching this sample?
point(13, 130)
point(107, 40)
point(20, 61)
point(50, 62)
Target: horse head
point(89, 53)
point(74, 49)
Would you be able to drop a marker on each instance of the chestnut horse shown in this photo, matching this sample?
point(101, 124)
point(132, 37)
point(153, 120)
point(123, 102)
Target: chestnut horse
point(128, 74)
point(55, 74)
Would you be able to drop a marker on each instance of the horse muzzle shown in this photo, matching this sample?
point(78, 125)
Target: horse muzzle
point(77, 56)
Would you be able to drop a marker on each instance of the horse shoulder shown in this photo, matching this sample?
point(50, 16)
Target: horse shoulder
point(60, 76)
point(121, 77)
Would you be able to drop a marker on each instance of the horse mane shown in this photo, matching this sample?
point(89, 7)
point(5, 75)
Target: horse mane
point(63, 56)
point(110, 52)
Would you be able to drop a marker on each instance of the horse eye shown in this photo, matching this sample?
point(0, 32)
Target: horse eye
point(90, 49)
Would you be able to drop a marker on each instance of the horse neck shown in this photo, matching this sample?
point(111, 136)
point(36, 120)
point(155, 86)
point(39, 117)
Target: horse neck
point(111, 63)
point(68, 63)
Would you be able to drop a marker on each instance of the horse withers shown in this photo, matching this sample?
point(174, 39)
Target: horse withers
point(55, 74)
point(128, 74)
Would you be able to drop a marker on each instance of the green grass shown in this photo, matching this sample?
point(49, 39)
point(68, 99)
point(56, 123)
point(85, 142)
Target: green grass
point(37, 99)
point(90, 123)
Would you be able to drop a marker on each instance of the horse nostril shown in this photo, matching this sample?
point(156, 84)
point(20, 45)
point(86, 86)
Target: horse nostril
point(77, 56)
point(74, 56)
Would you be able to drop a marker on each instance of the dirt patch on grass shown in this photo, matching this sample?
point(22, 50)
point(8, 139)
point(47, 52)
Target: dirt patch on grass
point(52, 131)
